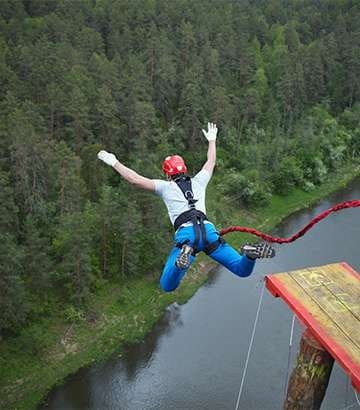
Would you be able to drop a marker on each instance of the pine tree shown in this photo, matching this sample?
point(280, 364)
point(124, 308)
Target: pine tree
point(72, 247)
point(7, 76)
point(314, 73)
point(162, 71)
point(111, 217)
point(13, 298)
point(79, 122)
point(192, 104)
point(69, 188)
point(93, 173)
point(37, 263)
point(30, 170)
point(107, 124)
point(187, 44)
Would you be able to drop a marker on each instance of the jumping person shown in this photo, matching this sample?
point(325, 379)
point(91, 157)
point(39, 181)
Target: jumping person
point(184, 198)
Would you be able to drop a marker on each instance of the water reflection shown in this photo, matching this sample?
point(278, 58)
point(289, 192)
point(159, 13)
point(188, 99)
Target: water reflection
point(139, 356)
point(213, 276)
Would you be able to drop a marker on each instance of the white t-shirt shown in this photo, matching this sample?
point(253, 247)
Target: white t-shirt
point(175, 200)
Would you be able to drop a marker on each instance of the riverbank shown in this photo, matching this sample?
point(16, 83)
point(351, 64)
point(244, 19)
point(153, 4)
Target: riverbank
point(122, 315)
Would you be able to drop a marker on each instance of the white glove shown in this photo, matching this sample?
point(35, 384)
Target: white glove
point(108, 158)
point(212, 132)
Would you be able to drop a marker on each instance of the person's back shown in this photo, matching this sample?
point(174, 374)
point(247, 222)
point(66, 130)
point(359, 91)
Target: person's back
point(174, 198)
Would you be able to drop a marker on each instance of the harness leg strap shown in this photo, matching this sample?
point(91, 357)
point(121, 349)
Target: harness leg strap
point(203, 232)
point(211, 247)
point(196, 232)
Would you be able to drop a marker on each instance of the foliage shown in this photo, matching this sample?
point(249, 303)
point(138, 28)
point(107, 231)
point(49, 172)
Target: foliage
point(73, 315)
point(288, 175)
point(281, 80)
point(246, 188)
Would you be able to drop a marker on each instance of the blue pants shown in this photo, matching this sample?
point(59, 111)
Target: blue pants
point(224, 254)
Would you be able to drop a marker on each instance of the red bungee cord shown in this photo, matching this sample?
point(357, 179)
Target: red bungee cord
point(348, 204)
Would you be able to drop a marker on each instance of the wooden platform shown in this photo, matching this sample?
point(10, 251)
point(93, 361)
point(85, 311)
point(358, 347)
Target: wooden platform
point(327, 300)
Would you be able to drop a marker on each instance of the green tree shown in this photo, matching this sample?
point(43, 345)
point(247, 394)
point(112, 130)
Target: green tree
point(314, 73)
point(288, 175)
point(69, 188)
point(110, 211)
point(7, 75)
point(13, 299)
point(246, 188)
point(30, 170)
point(72, 248)
point(37, 262)
point(107, 124)
point(191, 105)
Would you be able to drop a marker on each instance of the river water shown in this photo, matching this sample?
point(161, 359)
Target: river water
point(194, 357)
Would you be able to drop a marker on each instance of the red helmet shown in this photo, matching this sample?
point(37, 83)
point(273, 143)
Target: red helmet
point(173, 165)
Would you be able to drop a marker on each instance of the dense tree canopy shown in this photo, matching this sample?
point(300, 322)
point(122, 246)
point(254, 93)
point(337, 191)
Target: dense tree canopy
point(141, 78)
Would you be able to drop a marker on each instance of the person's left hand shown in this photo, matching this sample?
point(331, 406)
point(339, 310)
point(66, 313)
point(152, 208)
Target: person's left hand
point(210, 135)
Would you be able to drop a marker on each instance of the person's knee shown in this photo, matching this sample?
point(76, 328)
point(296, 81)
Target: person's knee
point(166, 286)
point(246, 267)
point(244, 273)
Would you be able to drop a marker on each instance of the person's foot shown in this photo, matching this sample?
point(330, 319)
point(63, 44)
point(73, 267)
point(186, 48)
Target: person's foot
point(183, 259)
point(257, 250)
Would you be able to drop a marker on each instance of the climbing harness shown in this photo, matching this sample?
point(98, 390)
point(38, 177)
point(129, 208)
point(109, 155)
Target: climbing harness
point(343, 205)
point(195, 216)
point(250, 346)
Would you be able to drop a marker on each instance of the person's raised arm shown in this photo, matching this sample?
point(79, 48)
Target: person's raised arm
point(130, 175)
point(210, 135)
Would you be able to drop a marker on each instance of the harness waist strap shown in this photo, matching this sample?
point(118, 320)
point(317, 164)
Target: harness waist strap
point(189, 216)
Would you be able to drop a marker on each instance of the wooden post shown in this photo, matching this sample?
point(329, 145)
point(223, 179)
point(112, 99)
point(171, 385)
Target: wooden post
point(310, 377)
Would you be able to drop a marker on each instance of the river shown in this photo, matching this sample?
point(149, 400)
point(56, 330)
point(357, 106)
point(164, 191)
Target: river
point(194, 357)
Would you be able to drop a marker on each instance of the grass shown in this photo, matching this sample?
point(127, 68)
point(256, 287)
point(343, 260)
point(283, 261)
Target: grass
point(125, 313)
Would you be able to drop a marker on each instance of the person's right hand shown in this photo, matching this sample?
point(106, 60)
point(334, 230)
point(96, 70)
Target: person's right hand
point(210, 135)
point(107, 157)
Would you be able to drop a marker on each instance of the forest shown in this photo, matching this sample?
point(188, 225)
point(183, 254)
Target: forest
point(141, 79)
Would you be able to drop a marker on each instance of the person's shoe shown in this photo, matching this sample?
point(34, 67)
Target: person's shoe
point(183, 259)
point(257, 250)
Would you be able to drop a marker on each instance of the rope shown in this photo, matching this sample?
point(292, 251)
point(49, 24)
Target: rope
point(289, 357)
point(348, 204)
point(354, 404)
point(250, 347)
point(347, 391)
point(348, 407)
point(357, 398)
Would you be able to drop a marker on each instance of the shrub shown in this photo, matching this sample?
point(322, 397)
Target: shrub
point(288, 175)
point(34, 340)
point(247, 188)
point(319, 171)
point(308, 186)
point(71, 315)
